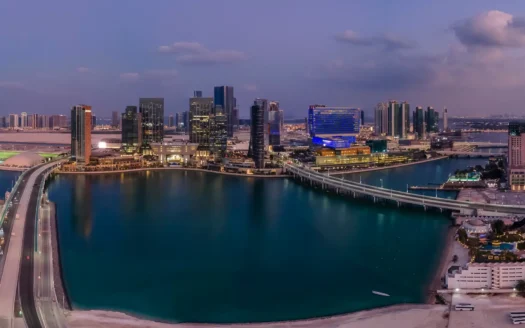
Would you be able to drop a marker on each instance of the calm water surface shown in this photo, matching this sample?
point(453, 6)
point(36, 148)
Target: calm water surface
point(200, 247)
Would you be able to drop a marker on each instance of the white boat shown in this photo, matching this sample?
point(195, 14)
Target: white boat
point(379, 293)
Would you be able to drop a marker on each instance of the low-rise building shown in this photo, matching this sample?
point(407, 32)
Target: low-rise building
point(517, 179)
point(476, 227)
point(486, 275)
point(364, 160)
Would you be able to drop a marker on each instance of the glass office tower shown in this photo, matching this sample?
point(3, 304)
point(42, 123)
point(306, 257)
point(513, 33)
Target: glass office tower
point(81, 133)
point(131, 130)
point(256, 147)
point(199, 125)
point(223, 96)
point(333, 121)
point(152, 115)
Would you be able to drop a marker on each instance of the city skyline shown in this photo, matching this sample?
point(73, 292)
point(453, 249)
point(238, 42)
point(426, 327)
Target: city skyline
point(453, 60)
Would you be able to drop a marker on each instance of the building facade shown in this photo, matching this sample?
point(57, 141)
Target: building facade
point(13, 121)
point(171, 121)
point(131, 130)
point(256, 146)
point(115, 119)
point(419, 122)
point(275, 127)
point(199, 127)
point(152, 116)
point(381, 119)
point(445, 119)
point(218, 132)
point(81, 133)
point(223, 96)
point(516, 156)
point(333, 121)
point(431, 120)
point(495, 275)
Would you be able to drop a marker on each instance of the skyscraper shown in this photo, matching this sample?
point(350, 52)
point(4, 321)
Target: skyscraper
point(394, 117)
point(131, 129)
point(114, 119)
point(263, 103)
point(445, 119)
point(223, 96)
point(419, 122)
point(93, 121)
point(432, 120)
point(274, 124)
point(199, 117)
point(362, 117)
point(23, 120)
point(256, 146)
point(404, 119)
point(516, 156)
point(218, 132)
point(333, 121)
point(186, 121)
point(81, 133)
point(235, 119)
point(381, 118)
point(152, 116)
point(13, 121)
point(171, 121)
point(197, 94)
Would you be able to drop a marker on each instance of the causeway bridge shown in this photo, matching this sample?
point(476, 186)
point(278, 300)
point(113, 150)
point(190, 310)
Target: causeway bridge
point(461, 153)
point(354, 189)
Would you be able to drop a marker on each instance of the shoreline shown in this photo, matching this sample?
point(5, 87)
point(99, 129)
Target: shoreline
point(388, 167)
point(444, 261)
point(180, 169)
point(113, 319)
point(58, 276)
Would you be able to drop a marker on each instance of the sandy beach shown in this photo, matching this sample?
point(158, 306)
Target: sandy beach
point(396, 316)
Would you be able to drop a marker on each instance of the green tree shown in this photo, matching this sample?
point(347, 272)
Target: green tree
point(520, 287)
point(498, 227)
point(462, 236)
point(521, 246)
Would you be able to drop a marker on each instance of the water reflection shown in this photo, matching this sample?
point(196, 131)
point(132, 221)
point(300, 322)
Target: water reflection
point(81, 211)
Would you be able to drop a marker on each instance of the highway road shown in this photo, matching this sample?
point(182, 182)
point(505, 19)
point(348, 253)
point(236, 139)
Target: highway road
point(21, 245)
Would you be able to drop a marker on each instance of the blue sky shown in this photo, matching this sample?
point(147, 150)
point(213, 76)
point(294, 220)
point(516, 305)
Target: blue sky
point(466, 55)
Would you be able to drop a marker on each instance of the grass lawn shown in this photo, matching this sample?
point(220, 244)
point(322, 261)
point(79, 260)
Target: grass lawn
point(46, 155)
point(6, 154)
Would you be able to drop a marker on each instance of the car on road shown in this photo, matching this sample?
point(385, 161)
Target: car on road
point(464, 307)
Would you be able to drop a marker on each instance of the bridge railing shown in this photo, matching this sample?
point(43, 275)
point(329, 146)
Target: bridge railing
point(403, 196)
point(11, 196)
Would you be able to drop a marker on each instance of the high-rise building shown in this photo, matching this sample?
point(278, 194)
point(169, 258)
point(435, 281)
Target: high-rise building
point(199, 116)
point(419, 122)
point(81, 133)
point(393, 119)
point(114, 119)
point(23, 120)
point(93, 121)
point(218, 132)
point(256, 146)
point(516, 156)
point(263, 103)
point(197, 94)
point(432, 120)
point(362, 117)
point(13, 121)
point(445, 119)
point(235, 119)
point(186, 121)
point(333, 121)
point(306, 126)
point(152, 119)
point(4, 122)
point(43, 122)
point(405, 119)
point(274, 124)
point(381, 118)
point(223, 96)
point(131, 129)
point(171, 121)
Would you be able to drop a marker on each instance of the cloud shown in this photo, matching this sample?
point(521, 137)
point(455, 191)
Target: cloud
point(130, 77)
point(183, 47)
point(250, 87)
point(193, 53)
point(385, 41)
point(491, 29)
point(82, 69)
point(11, 84)
point(161, 73)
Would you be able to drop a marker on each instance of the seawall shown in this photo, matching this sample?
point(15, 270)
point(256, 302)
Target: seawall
point(58, 276)
point(179, 169)
point(388, 167)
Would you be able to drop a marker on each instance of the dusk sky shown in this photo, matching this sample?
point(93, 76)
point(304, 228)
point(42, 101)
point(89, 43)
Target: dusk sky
point(466, 55)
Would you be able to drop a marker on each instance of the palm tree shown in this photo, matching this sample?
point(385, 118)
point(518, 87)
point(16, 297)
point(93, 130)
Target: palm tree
point(520, 287)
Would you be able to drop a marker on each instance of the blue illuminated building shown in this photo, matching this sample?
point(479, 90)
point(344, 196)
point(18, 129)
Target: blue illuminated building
point(335, 142)
point(333, 121)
